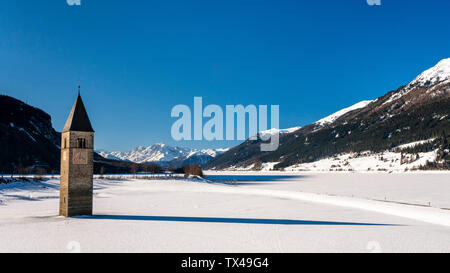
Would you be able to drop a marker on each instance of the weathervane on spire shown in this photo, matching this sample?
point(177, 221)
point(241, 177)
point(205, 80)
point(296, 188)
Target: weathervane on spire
point(79, 87)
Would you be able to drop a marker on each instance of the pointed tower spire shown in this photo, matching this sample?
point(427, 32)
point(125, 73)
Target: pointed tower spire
point(78, 119)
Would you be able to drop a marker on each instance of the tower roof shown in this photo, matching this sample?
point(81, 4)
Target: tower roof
point(78, 119)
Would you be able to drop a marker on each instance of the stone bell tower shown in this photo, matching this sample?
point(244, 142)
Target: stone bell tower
point(77, 166)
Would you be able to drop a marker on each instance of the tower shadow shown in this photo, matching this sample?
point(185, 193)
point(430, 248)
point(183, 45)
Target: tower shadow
point(226, 220)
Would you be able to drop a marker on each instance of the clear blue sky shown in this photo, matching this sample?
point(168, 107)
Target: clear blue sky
point(137, 59)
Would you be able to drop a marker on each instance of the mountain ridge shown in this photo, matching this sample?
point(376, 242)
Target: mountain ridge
point(164, 155)
point(417, 111)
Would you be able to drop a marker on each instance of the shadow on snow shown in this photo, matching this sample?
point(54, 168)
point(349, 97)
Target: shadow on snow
point(226, 220)
point(253, 179)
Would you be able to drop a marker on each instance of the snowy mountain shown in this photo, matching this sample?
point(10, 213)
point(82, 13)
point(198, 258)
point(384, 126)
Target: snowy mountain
point(155, 153)
point(415, 112)
point(162, 153)
point(320, 123)
point(436, 76)
point(274, 131)
point(438, 73)
point(331, 118)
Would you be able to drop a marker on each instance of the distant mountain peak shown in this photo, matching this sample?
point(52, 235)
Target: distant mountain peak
point(159, 152)
point(438, 73)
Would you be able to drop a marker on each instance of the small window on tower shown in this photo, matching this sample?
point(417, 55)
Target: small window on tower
point(65, 143)
point(81, 143)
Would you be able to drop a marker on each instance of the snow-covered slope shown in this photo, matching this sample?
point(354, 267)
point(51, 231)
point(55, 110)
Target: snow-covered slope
point(274, 131)
point(331, 118)
point(320, 123)
point(159, 153)
point(387, 161)
point(438, 73)
point(392, 160)
point(210, 152)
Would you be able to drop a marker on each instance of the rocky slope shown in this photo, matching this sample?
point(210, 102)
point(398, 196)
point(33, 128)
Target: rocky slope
point(27, 138)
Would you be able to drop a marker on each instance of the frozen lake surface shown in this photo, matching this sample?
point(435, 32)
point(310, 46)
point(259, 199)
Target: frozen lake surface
point(424, 188)
point(278, 213)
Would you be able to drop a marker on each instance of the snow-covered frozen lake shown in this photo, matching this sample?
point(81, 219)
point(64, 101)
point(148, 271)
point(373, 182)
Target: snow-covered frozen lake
point(424, 188)
point(303, 212)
